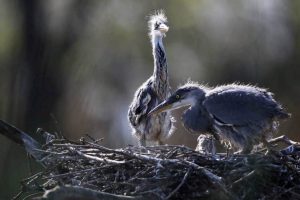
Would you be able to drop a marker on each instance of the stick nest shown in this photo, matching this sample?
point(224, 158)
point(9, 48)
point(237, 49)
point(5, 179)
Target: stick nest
point(161, 172)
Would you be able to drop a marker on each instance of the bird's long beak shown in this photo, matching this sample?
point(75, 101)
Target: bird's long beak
point(163, 28)
point(164, 106)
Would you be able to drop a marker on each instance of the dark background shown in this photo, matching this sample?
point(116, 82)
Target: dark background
point(74, 65)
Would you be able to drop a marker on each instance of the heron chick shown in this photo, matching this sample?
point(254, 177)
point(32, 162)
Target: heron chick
point(156, 89)
point(242, 115)
point(206, 145)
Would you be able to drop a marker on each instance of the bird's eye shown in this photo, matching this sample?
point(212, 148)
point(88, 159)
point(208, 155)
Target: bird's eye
point(156, 25)
point(177, 96)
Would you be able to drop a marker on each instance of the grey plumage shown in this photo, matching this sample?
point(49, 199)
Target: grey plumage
point(153, 91)
point(242, 115)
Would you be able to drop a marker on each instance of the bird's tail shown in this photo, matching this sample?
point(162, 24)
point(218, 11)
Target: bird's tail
point(19, 137)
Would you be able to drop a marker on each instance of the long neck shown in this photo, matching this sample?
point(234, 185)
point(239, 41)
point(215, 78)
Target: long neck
point(160, 74)
point(195, 119)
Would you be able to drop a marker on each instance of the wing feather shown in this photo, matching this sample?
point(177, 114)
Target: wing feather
point(144, 100)
point(241, 105)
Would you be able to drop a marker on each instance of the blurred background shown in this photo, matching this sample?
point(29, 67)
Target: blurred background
point(73, 66)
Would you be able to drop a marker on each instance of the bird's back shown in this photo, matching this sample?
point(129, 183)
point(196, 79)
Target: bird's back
point(243, 115)
point(240, 104)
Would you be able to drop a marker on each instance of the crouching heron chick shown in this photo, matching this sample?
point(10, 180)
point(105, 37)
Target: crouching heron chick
point(206, 145)
point(242, 115)
point(153, 91)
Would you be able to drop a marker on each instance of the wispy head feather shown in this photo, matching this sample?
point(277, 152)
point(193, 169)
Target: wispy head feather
point(157, 17)
point(193, 84)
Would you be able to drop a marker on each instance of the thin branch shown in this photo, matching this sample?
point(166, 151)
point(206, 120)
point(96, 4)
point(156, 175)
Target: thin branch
point(98, 158)
point(70, 192)
point(179, 186)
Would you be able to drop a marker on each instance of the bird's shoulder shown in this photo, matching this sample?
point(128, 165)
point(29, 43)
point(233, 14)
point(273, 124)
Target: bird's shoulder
point(146, 89)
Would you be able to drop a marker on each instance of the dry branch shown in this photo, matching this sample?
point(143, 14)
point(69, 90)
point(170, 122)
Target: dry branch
point(87, 169)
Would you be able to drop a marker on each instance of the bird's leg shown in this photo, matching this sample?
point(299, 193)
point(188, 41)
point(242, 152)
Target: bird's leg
point(216, 136)
point(142, 140)
point(142, 143)
point(229, 150)
point(159, 142)
point(233, 151)
point(212, 149)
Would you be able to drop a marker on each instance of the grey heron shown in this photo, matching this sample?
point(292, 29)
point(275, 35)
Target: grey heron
point(153, 91)
point(242, 115)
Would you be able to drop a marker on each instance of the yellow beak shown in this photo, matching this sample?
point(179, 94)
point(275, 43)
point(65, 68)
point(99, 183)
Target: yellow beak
point(164, 106)
point(163, 28)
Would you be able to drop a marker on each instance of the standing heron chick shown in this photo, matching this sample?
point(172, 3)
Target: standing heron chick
point(156, 89)
point(242, 115)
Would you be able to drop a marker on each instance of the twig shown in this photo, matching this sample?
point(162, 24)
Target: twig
point(98, 159)
point(69, 192)
point(239, 181)
point(93, 139)
point(285, 139)
point(290, 190)
point(73, 173)
point(32, 195)
point(17, 195)
point(158, 171)
point(179, 186)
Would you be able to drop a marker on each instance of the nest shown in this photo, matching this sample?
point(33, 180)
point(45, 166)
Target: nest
point(88, 170)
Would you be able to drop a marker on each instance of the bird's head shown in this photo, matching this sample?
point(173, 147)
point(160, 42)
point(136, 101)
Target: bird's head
point(187, 95)
point(158, 24)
